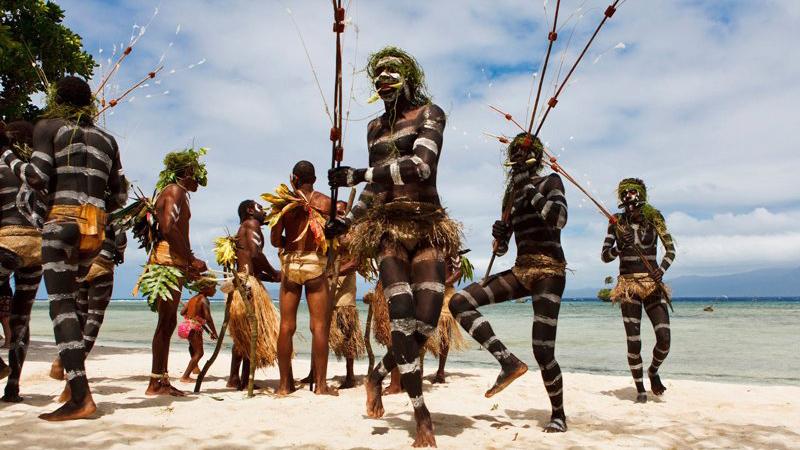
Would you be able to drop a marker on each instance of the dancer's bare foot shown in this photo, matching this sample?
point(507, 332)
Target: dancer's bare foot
point(233, 382)
point(66, 394)
point(556, 425)
point(349, 382)
point(425, 436)
point(655, 384)
point(393, 389)
point(324, 389)
point(187, 380)
point(57, 370)
point(196, 371)
point(374, 401)
point(507, 376)
point(285, 389)
point(72, 410)
point(439, 378)
point(162, 387)
point(641, 397)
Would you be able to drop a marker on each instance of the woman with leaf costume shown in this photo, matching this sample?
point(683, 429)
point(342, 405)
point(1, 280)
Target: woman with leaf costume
point(399, 221)
point(635, 235)
point(171, 262)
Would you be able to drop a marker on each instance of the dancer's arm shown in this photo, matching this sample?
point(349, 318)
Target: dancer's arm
point(669, 250)
point(548, 200)
point(610, 250)
point(405, 169)
point(39, 170)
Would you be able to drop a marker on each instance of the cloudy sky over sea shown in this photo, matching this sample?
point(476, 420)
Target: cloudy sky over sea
point(694, 97)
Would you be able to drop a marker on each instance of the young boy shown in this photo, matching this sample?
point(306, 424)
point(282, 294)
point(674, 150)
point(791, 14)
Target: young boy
point(196, 314)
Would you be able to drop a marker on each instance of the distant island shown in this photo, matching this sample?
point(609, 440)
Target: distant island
point(773, 282)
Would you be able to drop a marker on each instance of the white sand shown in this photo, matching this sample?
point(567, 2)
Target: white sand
point(600, 410)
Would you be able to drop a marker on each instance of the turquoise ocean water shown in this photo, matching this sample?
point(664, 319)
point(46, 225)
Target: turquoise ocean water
point(741, 341)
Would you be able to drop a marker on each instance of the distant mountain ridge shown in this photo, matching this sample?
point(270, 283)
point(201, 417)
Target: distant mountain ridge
point(775, 282)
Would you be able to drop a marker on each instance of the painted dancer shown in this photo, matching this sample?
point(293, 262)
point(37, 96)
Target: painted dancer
point(298, 232)
point(640, 226)
point(538, 214)
point(78, 165)
point(346, 339)
point(253, 268)
point(20, 257)
point(183, 173)
point(95, 291)
point(400, 222)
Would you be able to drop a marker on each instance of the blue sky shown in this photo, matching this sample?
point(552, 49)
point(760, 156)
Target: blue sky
point(697, 103)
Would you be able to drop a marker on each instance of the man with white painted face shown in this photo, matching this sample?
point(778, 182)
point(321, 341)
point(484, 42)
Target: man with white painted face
point(252, 264)
point(78, 165)
point(538, 215)
point(640, 226)
point(400, 222)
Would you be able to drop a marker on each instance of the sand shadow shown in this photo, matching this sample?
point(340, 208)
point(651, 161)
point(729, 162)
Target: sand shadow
point(443, 424)
point(161, 401)
point(629, 394)
point(38, 400)
point(718, 435)
point(109, 389)
point(128, 435)
point(494, 421)
point(540, 416)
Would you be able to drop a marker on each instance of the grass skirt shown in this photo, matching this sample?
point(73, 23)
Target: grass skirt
point(423, 223)
point(532, 268)
point(346, 339)
point(267, 319)
point(448, 332)
point(381, 328)
point(634, 286)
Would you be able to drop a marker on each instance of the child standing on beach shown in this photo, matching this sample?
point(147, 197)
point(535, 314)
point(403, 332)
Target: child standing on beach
point(196, 315)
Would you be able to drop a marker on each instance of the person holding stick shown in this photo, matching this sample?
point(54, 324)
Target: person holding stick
point(400, 222)
point(253, 268)
point(640, 226)
point(537, 216)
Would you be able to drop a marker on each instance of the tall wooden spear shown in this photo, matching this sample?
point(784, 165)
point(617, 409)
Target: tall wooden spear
point(337, 150)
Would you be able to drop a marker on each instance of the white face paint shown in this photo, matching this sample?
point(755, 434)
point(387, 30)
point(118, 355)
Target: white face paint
point(388, 82)
point(632, 200)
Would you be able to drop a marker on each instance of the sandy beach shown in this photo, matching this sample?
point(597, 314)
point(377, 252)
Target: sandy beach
point(600, 410)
